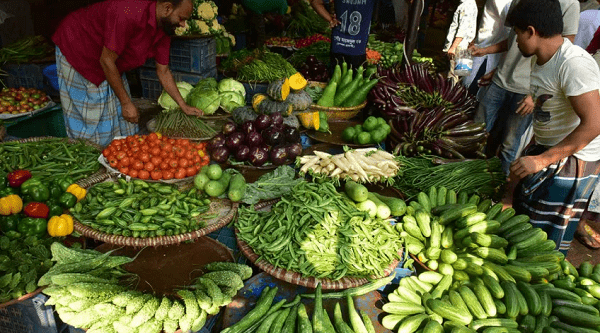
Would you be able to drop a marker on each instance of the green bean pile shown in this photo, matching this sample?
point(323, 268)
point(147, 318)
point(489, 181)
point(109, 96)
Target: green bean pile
point(141, 209)
point(268, 67)
point(315, 231)
point(483, 177)
point(50, 158)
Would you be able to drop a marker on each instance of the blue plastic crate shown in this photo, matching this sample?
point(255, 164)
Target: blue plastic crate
point(52, 76)
point(151, 87)
point(254, 88)
point(191, 55)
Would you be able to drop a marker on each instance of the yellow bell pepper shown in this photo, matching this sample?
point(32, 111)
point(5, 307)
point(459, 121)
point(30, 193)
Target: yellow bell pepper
point(60, 225)
point(77, 191)
point(11, 204)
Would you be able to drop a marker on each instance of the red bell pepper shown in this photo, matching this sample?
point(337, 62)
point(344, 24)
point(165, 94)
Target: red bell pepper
point(18, 177)
point(37, 210)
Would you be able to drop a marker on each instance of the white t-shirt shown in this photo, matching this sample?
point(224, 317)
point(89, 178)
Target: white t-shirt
point(464, 25)
point(513, 71)
point(570, 72)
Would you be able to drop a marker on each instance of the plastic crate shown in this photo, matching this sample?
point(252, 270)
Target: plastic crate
point(29, 76)
point(254, 88)
point(151, 87)
point(191, 55)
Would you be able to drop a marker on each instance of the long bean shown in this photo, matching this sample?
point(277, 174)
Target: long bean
point(316, 232)
point(50, 158)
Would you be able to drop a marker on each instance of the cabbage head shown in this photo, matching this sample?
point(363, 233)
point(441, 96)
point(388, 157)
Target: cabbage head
point(229, 84)
point(231, 100)
point(166, 102)
point(205, 100)
point(207, 83)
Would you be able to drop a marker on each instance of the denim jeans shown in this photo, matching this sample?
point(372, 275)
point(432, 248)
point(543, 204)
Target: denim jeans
point(500, 104)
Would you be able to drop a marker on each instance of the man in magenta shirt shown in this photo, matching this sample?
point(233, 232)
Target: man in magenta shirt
point(96, 45)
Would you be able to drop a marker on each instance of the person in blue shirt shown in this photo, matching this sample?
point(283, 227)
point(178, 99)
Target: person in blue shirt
point(350, 29)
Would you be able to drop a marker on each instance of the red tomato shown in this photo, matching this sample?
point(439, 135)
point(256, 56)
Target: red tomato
point(180, 153)
point(171, 141)
point(137, 165)
point(125, 161)
point(196, 158)
point(148, 166)
point(164, 154)
point(143, 174)
point(153, 137)
point(180, 174)
point(183, 142)
point(171, 155)
point(155, 151)
point(164, 166)
point(190, 171)
point(114, 163)
point(124, 169)
point(156, 160)
point(120, 155)
point(167, 174)
point(145, 157)
point(133, 173)
point(156, 175)
point(189, 155)
point(183, 163)
point(167, 147)
point(173, 163)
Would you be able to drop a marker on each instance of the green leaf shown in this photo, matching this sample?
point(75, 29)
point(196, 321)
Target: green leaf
point(272, 185)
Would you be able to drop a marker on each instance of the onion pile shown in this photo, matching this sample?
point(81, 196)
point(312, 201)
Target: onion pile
point(266, 139)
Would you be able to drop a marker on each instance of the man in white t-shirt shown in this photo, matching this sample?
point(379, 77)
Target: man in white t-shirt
point(558, 172)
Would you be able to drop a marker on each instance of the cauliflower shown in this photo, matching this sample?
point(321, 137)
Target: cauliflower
point(202, 27)
point(215, 26)
point(181, 31)
point(207, 10)
point(232, 38)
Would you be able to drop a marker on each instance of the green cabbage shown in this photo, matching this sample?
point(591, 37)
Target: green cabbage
point(167, 102)
point(205, 100)
point(209, 82)
point(231, 100)
point(229, 84)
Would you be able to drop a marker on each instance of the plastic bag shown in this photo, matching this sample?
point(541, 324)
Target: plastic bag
point(464, 62)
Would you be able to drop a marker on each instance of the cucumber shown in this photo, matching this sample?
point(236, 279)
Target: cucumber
point(470, 220)
point(511, 222)
point(433, 326)
point(391, 322)
point(442, 193)
point(534, 302)
point(463, 197)
point(435, 239)
point(451, 197)
point(500, 306)
point(546, 302)
point(433, 196)
point(495, 255)
point(413, 229)
point(518, 273)
point(576, 317)
point(397, 206)
point(383, 211)
point(424, 201)
point(576, 306)
point(493, 212)
point(304, 325)
point(410, 324)
point(472, 302)
point(484, 206)
point(487, 240)
point(547, 245)
point(447, 240)
point(403, 308)
point(356, 191)
point(474, 199)
point(448, 256)
point(485, 299)
point(569, 269)
point(527, 324)
point(494, 322)
point(511, 299)
point(430, 277)
point(493, 286)
point(483, 226)
point(460, 264)
point(367, 206)
point(505, 215)
point(444, 284)
point(517, 230)
point(458, 301)
point(450, 312)
point(564, 327)
point(557, 293)
point(424, 222)
point(541, 321)
point(445, 269)
point(454, 214)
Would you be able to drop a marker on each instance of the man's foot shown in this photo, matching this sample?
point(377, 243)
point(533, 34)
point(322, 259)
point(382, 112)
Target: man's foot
point(587, 236)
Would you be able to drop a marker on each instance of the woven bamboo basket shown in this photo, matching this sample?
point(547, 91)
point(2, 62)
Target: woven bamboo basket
point(336, 113)
point(225, 209)
point(297, 278)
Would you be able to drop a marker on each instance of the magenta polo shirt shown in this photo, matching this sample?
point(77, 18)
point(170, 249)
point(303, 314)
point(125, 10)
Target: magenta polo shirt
point(128, 28)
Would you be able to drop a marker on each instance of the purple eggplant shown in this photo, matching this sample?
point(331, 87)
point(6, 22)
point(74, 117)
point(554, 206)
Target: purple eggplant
point(291, 134)
point(229, 127)
point(216, 142)
point(248, 127)
point(259, 156)
point(254, 139)
point(294, 150)
point(234, 140)
point(273, 137)
point(220, 154)
point(243, 153)
point(279, 155)
point(262, 122)
point(276, 119)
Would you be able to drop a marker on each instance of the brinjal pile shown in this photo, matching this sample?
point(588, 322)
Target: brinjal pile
point(428, 115)
point(266, 139)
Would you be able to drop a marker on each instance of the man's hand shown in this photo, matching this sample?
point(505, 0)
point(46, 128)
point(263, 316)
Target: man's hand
point(130, 112)
point(477, 51)
point(526, 165)
point(192, 111)
point(334, 21)
point(451, 53)
point(486, 79)
point(525, 106)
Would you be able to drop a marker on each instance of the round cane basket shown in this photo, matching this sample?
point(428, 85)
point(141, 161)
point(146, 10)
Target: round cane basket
point(333, 112)
point(67, 141)
point(224, 208)
point(297, 278)
point(22, 298)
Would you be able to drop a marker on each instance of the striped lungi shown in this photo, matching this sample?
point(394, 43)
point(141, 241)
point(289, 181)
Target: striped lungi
point(91, 112)
point(555, 197)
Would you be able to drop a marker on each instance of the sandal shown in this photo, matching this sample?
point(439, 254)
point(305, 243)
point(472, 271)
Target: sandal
point(588, 236)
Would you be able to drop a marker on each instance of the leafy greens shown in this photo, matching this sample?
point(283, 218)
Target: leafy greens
point(272, 185)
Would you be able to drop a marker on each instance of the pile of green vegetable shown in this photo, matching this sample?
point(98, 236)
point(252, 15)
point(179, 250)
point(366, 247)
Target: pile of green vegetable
point(215, 182)
point(208, 95)
point(320, 50)
point(305, 21)
point(347, 88)
point(88, 291)
point(26, 50)
point(140, 209)
point(50, 159)
point(372, 130)
point(484, 177)
point(259, 65)
point(22, 262)
point(292, 317)
point(317, 232)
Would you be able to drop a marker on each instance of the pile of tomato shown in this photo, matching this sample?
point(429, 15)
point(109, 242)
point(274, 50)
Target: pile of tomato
point(154, 156)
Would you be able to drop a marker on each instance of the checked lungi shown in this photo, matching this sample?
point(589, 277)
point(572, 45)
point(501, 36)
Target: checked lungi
point(556, 197)
point(91, 112)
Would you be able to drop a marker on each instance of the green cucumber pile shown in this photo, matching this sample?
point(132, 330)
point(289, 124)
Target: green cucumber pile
point(140, 209)
point(348, 88)
point(292, 317)
point(85, 288)
point(490, 271)
point(316, 231)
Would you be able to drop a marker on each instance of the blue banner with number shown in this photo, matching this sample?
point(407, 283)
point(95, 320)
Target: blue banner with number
point(350, 36)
